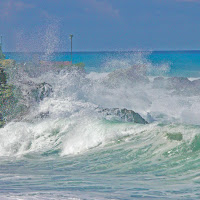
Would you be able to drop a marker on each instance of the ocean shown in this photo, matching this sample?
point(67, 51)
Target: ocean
point(65, 147)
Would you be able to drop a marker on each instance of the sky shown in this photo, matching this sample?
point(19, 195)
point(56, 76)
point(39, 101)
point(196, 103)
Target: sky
point(100, 25)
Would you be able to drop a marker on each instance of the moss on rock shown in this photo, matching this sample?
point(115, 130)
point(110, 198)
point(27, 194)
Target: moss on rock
point(2, 56)
point(7, 99)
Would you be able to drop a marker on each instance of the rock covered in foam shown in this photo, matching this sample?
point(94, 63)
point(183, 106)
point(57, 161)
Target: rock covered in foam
point(178, 85)
point(133, 75)
point(14, 102)
point(159, 82)
point(196, 83)
point(122, 115)
point(42, 91)
point(172, 82)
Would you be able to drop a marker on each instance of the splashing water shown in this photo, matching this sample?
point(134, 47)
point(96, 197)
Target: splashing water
point(64, 148)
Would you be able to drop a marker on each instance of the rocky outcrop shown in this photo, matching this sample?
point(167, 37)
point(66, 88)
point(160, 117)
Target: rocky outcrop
point(3, 78)
point(130, 76)
point(42, 91)
point(14, 103)
point(110, 114)
point(1, 121)
point(2, 56)
point(4, 65)
point(122, 115)
point(7, 100)
point(178, 85)
point(7, 103)
point(172, 82)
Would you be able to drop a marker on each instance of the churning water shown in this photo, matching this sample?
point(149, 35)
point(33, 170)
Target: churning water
point(74, 152)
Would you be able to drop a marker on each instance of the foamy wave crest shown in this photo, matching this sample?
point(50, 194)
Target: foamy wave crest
point(67, 121)
point(136, 59)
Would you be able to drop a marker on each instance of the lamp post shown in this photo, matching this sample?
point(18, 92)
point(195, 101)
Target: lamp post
point(71, 36)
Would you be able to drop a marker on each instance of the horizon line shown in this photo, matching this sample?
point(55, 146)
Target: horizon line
point(105, 51)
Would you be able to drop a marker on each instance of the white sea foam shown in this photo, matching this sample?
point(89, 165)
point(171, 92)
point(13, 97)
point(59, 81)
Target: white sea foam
point(73, 126)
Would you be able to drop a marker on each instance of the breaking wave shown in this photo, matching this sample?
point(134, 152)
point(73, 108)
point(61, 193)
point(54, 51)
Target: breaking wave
point(100, 131)
point(67, 121)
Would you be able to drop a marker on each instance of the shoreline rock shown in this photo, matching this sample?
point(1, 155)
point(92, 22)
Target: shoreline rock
point(123, 115)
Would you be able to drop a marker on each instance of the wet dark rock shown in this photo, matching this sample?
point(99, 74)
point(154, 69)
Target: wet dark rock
point(42, 115)
point(41, 91)
point(16, 99)
point(1, 121)
point(122, 115)
point(2, 77)
point(16, 102)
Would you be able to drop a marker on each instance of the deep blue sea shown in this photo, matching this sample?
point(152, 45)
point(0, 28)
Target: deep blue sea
point(75, 152)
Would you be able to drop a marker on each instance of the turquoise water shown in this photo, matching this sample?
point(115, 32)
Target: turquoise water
point(181, 63)
point(75, 153)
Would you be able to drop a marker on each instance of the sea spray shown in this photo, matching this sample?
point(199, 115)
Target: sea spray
point(75, 97)
point(65, 146)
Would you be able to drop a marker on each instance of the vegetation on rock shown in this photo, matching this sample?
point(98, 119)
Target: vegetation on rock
point(2, 56)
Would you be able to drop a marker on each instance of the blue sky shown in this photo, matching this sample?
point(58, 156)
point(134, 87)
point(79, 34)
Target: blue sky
point(40, 25)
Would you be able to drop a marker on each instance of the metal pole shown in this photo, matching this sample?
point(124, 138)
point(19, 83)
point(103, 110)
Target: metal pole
point(71, 36)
